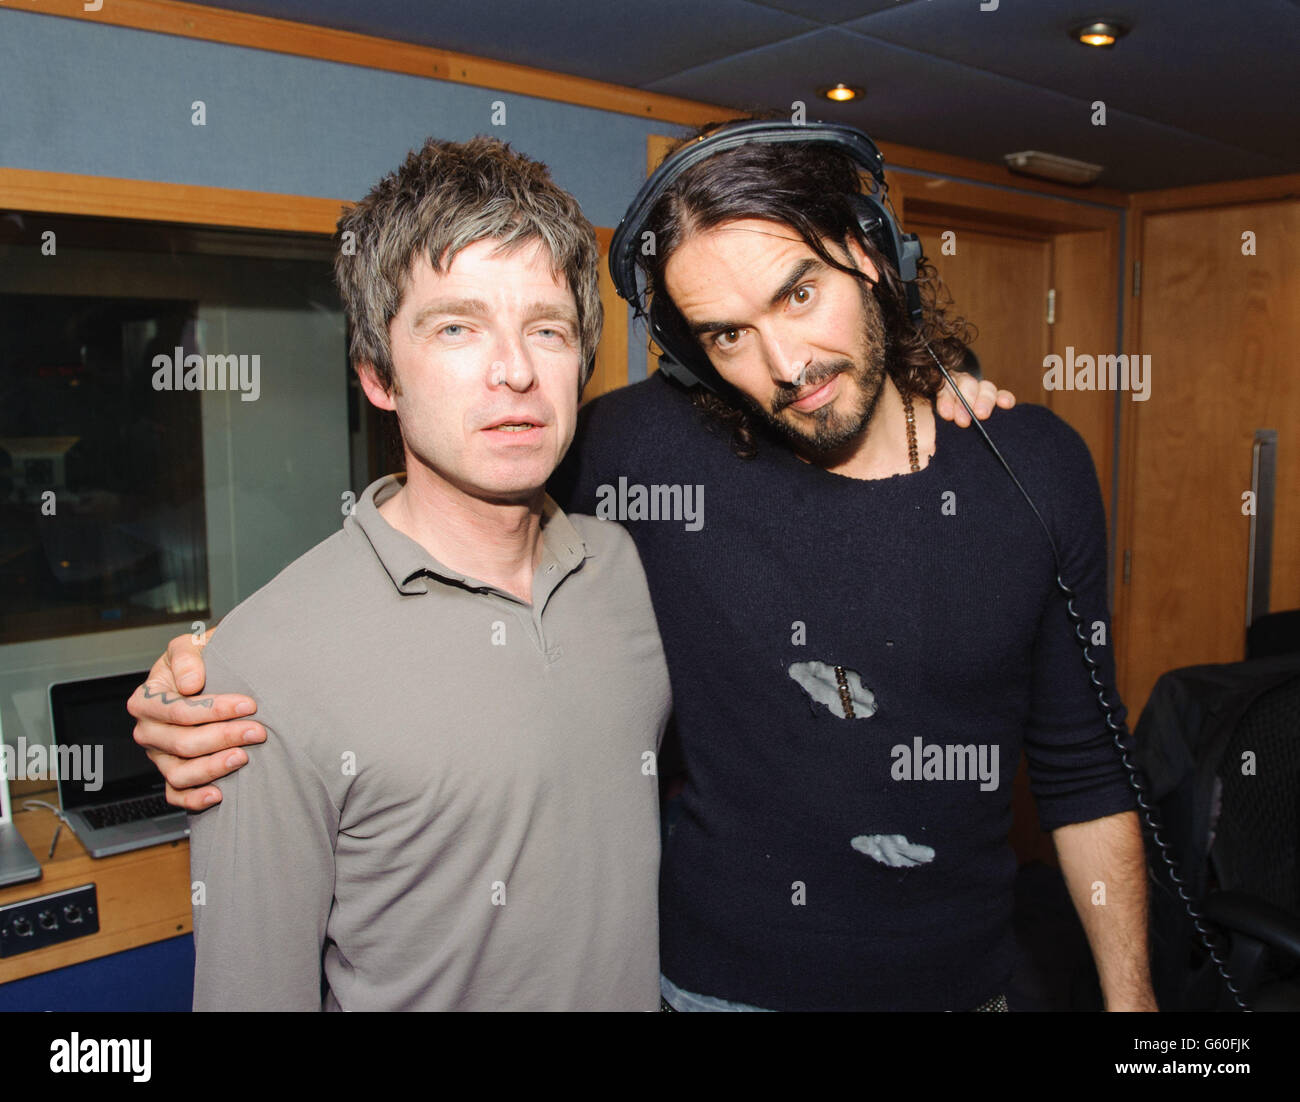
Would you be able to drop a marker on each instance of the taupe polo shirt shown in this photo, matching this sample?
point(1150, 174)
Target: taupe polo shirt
point(456, 806)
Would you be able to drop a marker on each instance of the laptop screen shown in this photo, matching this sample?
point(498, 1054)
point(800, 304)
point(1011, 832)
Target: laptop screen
point(96, 756)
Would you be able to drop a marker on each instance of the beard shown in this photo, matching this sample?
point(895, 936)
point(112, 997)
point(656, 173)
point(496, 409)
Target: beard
point(827, 430)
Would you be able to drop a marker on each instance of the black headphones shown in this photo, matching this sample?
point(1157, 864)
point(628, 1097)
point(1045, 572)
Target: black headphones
point(684, 360)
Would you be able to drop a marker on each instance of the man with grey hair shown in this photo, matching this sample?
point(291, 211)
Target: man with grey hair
point(463, 685)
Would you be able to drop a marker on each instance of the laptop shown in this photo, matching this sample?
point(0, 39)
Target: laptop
point(109, 790)
point(16, 861)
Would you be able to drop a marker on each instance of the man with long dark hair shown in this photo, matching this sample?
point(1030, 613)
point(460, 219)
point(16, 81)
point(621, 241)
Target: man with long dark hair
point(851, 708)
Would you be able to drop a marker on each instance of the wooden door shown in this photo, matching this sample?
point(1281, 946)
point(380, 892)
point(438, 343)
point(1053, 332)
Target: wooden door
point(1222, 330)
point(1000, 283)
point(610, 371)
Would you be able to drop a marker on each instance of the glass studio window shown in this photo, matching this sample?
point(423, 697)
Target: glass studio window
point(123, 347)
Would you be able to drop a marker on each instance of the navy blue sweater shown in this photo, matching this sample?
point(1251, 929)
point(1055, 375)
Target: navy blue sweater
point(782, 884)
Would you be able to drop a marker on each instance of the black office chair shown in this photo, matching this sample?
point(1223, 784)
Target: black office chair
point(1274, 634)
point(1221, 749)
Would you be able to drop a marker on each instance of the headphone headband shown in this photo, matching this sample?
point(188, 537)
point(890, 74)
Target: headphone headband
point(623, 247)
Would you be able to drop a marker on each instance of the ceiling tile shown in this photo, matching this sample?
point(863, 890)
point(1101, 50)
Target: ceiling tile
point(935, 104)
point(1224, 71)
point(832, 11)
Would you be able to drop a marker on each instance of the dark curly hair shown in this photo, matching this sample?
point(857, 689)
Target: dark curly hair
point(807, 188)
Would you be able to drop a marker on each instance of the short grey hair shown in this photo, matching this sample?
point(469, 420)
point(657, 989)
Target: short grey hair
point(445, 197)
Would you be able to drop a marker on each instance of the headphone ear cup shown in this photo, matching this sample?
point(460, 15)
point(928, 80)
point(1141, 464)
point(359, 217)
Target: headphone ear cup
point(910, 257)
point(682, 359)
point(870, 225)
point(902, 250)
point(875, 223)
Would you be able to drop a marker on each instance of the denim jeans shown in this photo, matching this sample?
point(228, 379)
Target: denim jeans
point(687, 1000)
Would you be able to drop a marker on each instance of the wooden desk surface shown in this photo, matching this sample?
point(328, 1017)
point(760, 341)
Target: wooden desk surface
point(144, 895)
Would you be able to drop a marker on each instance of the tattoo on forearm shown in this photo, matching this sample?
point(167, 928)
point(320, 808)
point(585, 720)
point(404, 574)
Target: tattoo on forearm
point(206, 702)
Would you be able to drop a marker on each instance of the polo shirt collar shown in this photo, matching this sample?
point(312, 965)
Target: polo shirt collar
point(410, 566)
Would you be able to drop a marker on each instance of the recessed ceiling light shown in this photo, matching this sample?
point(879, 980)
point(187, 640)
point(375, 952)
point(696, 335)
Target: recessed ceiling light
point(1099, 32)
point(841, 93)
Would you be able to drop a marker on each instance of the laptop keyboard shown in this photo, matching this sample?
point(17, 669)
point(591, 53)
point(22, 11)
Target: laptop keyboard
point(129, 811)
